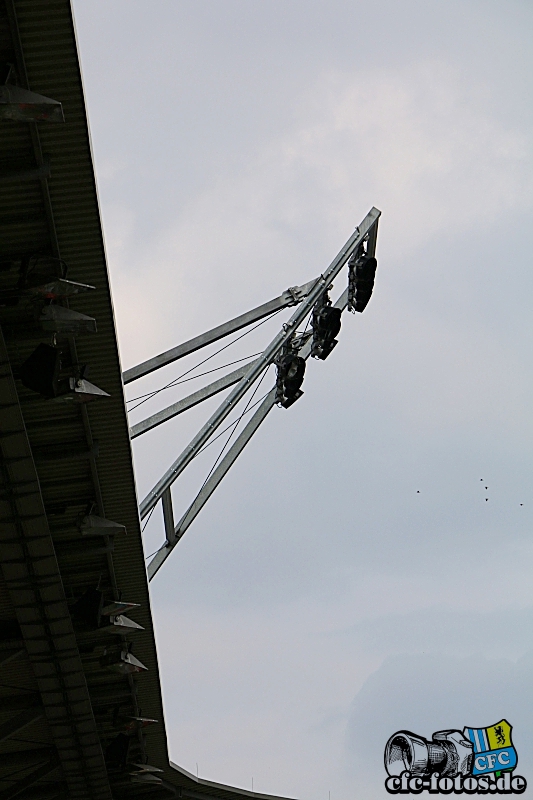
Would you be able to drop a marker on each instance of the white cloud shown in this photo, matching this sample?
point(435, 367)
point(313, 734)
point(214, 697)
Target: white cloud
point(422, 143)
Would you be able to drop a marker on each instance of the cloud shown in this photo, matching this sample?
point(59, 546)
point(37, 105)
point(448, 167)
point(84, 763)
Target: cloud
point(420, 142)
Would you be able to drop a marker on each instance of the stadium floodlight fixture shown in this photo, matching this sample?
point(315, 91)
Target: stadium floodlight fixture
point(93, 525)
point(41, 373)
point(326, 326)
point(21, 105)
point(361, 276)
point(123, 662)
point(65, 321)
point(120, 625)
point(288, 351)
point(88, 608)
point(51, 288)
point(118, 607)
point(290, 376)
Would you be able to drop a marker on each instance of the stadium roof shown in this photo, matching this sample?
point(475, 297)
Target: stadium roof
point(71, 710)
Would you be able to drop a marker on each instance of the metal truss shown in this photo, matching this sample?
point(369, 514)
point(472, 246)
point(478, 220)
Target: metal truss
point(313, 298)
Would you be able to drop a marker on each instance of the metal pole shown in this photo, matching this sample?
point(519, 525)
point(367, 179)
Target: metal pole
point(258, 366)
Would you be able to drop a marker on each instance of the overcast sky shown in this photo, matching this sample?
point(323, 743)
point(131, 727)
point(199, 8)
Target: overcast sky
point(349, 577)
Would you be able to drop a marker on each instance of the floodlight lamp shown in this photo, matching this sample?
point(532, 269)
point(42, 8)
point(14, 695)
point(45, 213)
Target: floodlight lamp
point(123, 662)
point(51, 288)
point(120, 625)
point(82, 391)
point(93, 525)
point(291, 371)
point(40, 372)
point(361, 276)
point(146, 777)
point(21, 105)
point(88, 608)
point(326, 325)
point(141, 769)
point(118, 606)
point(116, 752)
point(136, 723)
point(59, 319)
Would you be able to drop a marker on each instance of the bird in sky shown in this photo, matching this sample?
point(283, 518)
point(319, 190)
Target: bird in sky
point(418, 491)
point(486, 487)
point(486, 499)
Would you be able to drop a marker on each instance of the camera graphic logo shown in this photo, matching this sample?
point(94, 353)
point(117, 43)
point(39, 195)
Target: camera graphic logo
point(472, 761)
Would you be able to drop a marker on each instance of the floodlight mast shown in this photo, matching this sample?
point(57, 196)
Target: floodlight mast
point(307, 296)
point(223, 468)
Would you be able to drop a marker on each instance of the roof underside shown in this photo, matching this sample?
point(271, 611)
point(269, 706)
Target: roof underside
point(65, 716)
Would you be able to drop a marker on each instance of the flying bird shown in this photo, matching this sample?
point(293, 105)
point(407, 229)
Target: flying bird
point(486, 499)
point(418, 491)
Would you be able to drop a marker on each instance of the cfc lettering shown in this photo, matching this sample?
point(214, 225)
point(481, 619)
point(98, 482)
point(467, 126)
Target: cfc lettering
point(392, 784)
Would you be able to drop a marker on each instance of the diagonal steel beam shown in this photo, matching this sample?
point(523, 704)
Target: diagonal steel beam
point(290, 297)
point(259, 366)
point(188, 402)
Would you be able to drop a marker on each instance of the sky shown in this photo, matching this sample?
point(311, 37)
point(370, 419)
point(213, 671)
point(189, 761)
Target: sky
point(349, 578)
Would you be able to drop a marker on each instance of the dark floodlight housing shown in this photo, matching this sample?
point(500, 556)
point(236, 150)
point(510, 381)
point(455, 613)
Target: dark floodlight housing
point(123, 662)
point(121, 625)
point(51, 288)
point(59, 319)
point(361, 276)
point(118, 606)
point(88, 608)
point(44, 287)
point(40, 372)
point(93, 525)
point(21, 105)
point(82, 391)
point(326, 325)
point(291, 371)
point(137, 723)
point(116, 752)
point(146, 778)
point(141, 769)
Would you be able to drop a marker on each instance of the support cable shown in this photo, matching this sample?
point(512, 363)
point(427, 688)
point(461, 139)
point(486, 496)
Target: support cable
point(176, 380)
